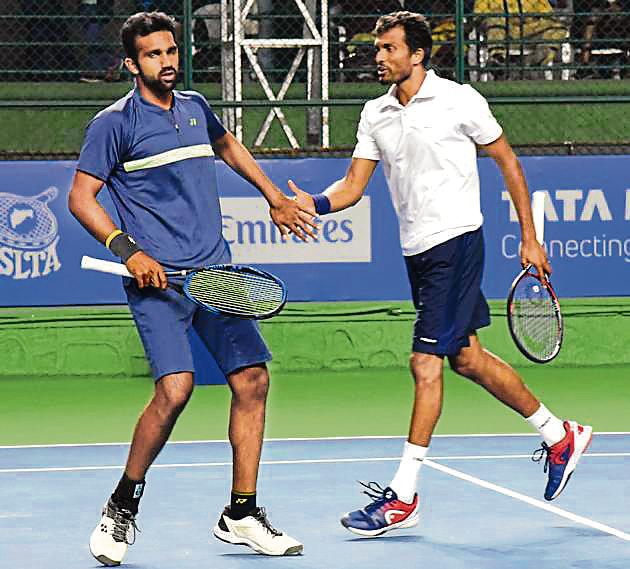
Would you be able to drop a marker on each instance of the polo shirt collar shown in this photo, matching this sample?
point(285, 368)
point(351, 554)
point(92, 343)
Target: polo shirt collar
point(428, 89)
point(150, 106)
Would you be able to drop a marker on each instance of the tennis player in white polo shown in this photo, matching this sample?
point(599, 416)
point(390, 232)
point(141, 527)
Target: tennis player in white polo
point(425, 131)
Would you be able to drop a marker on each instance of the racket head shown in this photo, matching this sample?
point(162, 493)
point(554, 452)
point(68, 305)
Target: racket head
point(236, 290)
point(534, 317)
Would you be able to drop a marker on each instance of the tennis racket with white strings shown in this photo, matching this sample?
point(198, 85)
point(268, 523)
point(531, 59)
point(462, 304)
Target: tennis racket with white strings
point(533, 310)
point(230, 290)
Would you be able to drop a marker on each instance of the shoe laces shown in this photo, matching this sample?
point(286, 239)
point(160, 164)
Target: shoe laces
point(376, 493)
point(123, 521)
point(260, 515)
point(541, 453)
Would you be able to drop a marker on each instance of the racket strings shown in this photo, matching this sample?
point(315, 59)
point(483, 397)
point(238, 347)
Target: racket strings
point(238, 293)
point(535, 321)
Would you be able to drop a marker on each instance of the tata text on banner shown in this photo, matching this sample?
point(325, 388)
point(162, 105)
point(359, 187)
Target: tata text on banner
point(587, 229)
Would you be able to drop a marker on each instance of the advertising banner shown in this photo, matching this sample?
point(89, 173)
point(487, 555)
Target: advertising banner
point(357, 253)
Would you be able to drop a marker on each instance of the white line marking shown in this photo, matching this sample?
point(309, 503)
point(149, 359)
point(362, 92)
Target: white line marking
point(531, 501)
point(305, 439)
point(300, 461)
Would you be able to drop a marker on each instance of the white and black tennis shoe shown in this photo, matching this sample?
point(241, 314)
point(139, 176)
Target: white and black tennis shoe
point(113, 535)
point(256, 532)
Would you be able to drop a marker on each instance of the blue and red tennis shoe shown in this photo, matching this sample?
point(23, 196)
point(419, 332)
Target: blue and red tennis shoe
point(385, 513)
point(562, 457)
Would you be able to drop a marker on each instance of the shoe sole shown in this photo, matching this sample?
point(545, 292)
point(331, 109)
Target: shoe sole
point(409, 522)
point(106, 560)
point(227, 538)
point(572, 464)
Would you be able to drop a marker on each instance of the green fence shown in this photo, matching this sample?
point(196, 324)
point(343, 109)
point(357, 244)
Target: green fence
point(557, 74)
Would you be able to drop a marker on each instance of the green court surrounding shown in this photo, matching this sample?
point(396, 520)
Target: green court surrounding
point(339, 370)
point(302, 404)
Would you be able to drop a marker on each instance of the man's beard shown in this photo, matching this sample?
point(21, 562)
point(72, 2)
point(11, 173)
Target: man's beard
point(158, 86)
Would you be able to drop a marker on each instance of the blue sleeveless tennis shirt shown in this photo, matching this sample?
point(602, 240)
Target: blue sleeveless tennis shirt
point(159, 168)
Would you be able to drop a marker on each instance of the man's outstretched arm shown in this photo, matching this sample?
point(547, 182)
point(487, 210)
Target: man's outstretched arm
point(285, 212)
point(340, 194)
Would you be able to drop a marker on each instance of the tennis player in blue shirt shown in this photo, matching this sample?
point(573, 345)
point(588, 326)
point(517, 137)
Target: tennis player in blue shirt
point(154, 149)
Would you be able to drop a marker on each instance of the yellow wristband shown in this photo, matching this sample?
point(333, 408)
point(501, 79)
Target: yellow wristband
point(111, 236)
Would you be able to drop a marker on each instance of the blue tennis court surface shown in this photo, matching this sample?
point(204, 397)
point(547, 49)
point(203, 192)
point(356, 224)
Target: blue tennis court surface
point(481, 505)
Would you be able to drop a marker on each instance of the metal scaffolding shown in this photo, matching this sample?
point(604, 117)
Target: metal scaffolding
point(313, 44)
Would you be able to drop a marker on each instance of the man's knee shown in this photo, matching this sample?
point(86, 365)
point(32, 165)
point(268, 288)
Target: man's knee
point(250, 383)
point(468, 363)
point(425, 368)
point(173, 393)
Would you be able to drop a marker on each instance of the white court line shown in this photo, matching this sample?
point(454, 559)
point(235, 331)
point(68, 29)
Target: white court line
point(300, 461)
point(531, 501)
point(429, 462)
point(305, 439)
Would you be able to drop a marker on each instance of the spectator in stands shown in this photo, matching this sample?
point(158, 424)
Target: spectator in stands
point(174, 8)
point(47, 38)
point(605, 35)
point(505, 34)
point(101, 62)
point(207, 41)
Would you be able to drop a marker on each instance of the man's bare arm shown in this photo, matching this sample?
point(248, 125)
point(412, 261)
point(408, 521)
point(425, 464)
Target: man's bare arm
point(531, 251)
point(285, 213)
point(344, 192)
point(84, 206)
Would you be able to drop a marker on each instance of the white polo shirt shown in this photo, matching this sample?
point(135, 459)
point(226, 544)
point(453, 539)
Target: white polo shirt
point(429, 158)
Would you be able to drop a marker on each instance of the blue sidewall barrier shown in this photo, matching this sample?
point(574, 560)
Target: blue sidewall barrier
point(357, 255)
point(587, 235)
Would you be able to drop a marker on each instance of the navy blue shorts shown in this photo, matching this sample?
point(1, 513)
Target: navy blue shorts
point(446, 290)
point(163, 319)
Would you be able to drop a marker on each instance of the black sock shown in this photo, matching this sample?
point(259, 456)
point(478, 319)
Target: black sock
point(241, 504)
point(128, 493)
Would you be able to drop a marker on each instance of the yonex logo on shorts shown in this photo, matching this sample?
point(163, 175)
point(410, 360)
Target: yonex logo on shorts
point(29, 235)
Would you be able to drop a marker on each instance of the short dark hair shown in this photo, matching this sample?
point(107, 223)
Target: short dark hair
point(142, 24)
point(417, 31)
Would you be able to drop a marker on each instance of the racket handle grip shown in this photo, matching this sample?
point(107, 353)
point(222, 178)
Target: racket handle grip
point(92, 264)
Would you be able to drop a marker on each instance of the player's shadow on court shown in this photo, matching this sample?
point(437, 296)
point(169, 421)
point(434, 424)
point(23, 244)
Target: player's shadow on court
point(127, 566)
point(262, 558)
point(398, 538)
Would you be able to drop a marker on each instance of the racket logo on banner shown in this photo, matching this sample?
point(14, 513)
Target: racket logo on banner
point(29, 234)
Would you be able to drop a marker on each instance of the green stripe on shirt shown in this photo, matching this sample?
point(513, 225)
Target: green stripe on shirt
point(169, 157)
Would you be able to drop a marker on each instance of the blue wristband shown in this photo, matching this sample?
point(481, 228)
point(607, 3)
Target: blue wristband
point(322, 203)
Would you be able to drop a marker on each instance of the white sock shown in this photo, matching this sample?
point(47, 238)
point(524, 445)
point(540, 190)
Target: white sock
point(548, 425)
point(406, 480)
